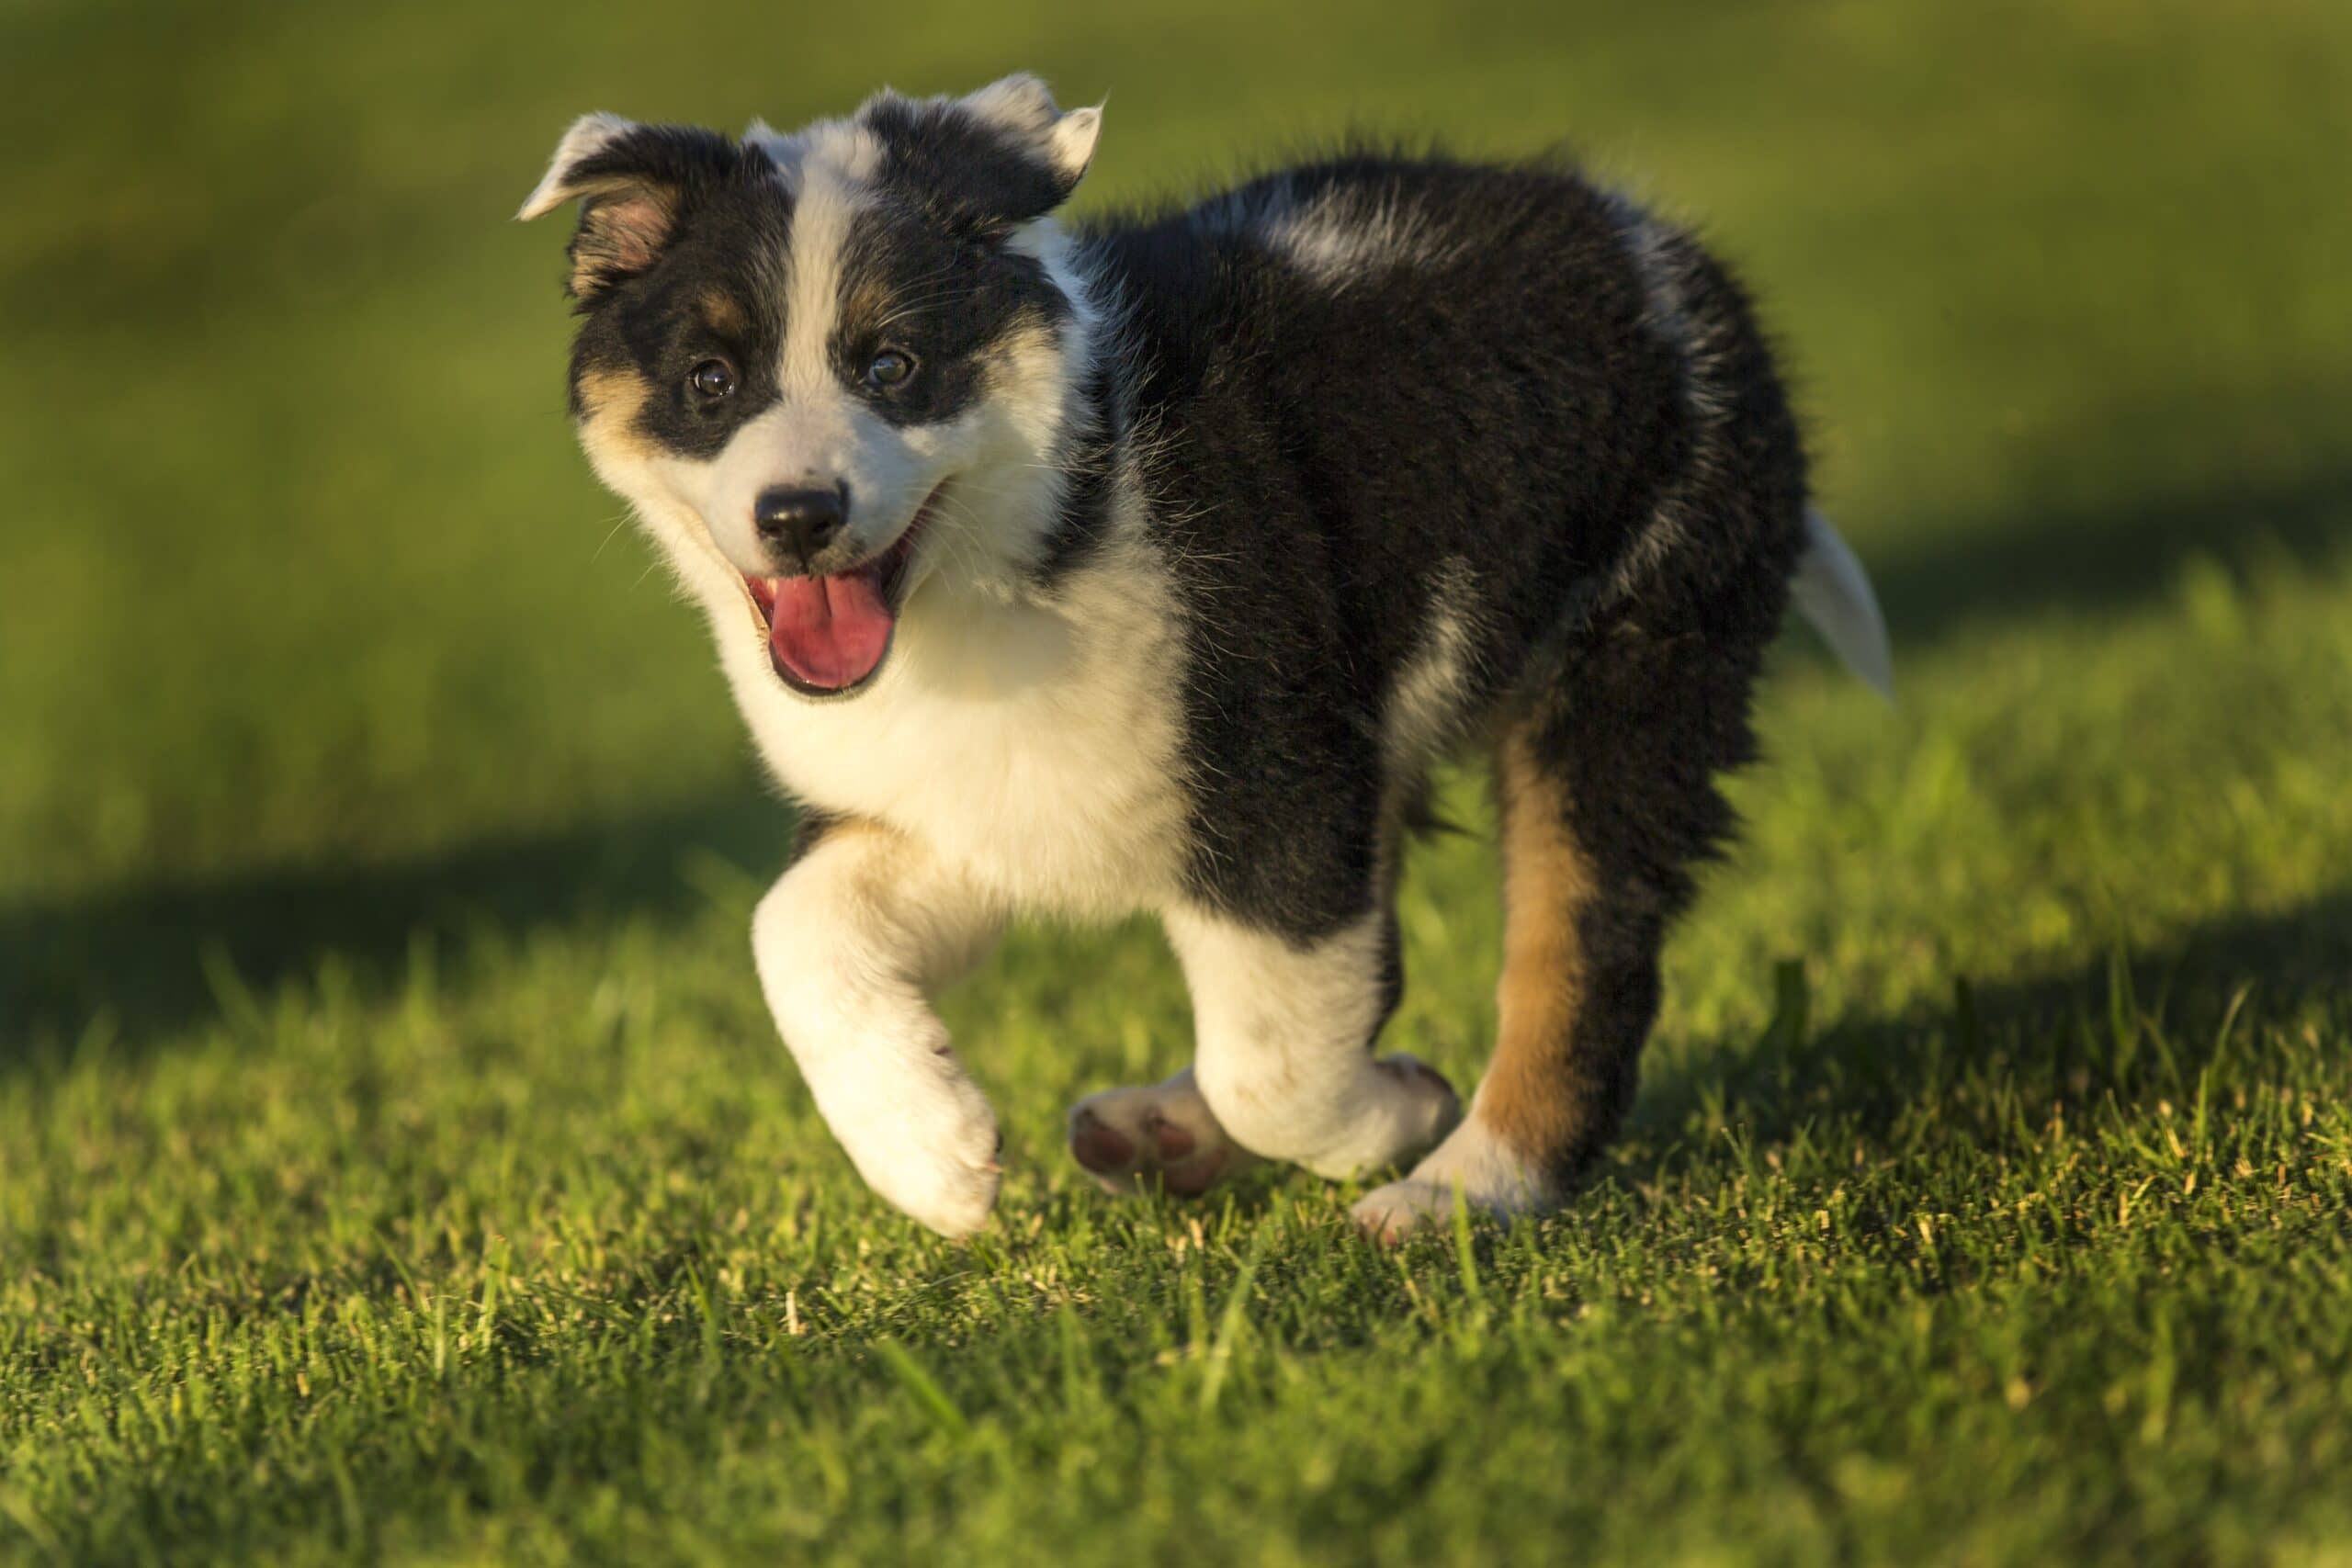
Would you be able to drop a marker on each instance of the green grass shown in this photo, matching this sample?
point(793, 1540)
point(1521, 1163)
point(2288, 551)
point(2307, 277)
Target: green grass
point(395, 1158)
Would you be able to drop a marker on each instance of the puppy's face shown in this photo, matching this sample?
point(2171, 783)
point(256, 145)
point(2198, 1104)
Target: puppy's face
point(836, 359)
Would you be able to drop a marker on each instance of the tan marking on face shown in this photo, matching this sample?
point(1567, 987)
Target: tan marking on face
point(723, 314)
point(610, 402)
point(866, 300)
point(1027, 347)
point(1529, 1098)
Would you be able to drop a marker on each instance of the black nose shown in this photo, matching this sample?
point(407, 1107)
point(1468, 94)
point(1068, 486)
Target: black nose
point(799, 523)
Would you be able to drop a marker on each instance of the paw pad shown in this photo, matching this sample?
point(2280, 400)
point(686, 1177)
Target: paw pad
point(1126, 1138)
point(1098, 1146)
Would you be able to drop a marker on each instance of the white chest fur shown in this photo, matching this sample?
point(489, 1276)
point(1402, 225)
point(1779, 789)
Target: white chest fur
point(1032, 743)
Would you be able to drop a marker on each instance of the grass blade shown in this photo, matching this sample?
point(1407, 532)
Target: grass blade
point(925, 1388)
point(1230, 1320)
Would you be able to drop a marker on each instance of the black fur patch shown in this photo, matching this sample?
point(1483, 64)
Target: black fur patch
point(1090, 459)
point(637, 190)
point(945, 298)
point(968, 176)
point(710, 294)
point(1478, 396)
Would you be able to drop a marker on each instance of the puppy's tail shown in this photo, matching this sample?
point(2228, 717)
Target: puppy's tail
point(1832, 591)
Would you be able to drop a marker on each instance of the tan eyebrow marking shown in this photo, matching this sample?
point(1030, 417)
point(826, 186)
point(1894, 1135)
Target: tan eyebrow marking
point(610, 402)
point(722, 314)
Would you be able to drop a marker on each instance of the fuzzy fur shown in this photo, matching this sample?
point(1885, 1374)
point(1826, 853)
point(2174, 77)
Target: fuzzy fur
point(1219, 525)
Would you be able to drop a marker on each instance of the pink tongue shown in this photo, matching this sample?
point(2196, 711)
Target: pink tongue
point(828, 632)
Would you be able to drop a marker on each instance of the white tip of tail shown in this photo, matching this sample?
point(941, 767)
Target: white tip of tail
point(1831, 590)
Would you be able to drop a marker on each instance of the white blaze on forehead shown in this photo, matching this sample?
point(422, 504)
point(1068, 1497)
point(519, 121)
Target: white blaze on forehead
point(829, 168)
point(844, 147)
point(819, 432)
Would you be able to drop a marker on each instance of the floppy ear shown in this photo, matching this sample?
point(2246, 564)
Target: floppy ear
point(1001, 157)
point(1022, 107)
point(635, 184)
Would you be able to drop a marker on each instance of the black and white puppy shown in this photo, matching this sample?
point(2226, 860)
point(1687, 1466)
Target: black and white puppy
point(1149, 565)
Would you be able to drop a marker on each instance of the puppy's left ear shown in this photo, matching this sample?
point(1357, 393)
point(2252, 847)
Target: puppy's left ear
point(1022, 107)
point(635, 184)
point(1001, 157)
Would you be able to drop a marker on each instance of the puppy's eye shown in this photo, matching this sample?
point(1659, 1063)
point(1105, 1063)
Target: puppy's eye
point(889, 368)
point(713, 378)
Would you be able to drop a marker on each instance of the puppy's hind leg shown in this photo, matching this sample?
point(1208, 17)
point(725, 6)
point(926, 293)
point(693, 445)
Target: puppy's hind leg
point(1584, 919)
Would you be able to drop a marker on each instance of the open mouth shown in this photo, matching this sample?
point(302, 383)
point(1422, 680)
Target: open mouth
point(828, 636)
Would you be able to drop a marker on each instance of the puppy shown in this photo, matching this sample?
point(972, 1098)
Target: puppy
point(1149, 564)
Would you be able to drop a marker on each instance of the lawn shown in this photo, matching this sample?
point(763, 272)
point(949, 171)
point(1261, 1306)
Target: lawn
point(395, 1156)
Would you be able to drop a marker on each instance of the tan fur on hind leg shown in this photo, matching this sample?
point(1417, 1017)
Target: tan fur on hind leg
point(1561, 1069)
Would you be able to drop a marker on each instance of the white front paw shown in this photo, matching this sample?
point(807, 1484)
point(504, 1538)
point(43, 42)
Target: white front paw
point(928, 1144)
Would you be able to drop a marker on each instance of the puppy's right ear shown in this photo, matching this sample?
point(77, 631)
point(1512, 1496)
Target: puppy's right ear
point(635, 184)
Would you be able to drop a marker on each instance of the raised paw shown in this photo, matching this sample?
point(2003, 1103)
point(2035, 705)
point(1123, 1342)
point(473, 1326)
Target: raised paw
point(1126, 1137)
point(925, 1141)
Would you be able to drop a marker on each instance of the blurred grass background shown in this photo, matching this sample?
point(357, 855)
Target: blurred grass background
point(376, 840)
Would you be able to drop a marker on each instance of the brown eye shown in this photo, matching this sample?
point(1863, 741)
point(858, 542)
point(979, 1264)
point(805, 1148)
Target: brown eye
point(889, 368)
point(713, 378)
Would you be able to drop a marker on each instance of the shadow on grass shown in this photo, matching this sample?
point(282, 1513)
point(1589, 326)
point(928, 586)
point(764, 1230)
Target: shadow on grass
point(141, 955)
point(2047, 1029)
point(2091, 560)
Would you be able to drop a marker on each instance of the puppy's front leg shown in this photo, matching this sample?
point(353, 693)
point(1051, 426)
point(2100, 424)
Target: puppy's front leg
point(849, 943)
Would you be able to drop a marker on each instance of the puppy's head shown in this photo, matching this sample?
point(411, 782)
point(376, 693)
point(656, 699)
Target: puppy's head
point(835, 359)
